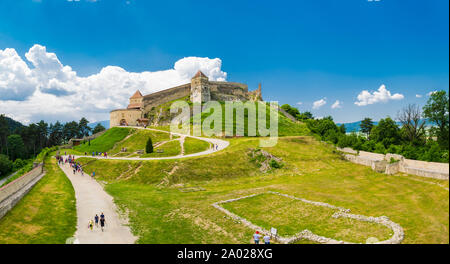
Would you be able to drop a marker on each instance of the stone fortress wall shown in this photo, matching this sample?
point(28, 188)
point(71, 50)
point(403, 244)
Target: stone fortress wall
point(164, 96)
point(200, 89)
point(382, 163)
point(14, 191)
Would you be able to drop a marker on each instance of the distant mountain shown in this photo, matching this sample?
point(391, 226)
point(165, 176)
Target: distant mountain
point(355, 126)
point(104, 123)
point(13, 124)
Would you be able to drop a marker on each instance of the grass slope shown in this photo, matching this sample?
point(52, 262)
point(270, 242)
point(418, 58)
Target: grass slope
point(106, 141)
point(46, 215)
point(285, 126)
point(170, 200)
point(193, 145)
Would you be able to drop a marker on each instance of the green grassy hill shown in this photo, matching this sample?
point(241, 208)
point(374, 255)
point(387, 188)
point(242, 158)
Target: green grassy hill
point(169, 201)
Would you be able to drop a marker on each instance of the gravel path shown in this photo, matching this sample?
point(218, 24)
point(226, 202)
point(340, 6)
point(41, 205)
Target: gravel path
point(91, 199)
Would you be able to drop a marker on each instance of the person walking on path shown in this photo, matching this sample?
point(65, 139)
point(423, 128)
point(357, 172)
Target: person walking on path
point(91, 224)
point(102, 223)
point(96, 220)
point(266, 239)
point(256, 237)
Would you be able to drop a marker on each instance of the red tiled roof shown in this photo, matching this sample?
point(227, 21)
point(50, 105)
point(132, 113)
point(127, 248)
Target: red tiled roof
point(134, 106)
point(137, 94)
point(200, 74)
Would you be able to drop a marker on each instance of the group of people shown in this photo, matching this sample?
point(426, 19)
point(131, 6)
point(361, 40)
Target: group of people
point(257, 237)
point(76, 166)
point(100, 154)
point(97, 220)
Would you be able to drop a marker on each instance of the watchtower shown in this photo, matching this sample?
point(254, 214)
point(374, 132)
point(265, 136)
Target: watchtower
point(200, 92)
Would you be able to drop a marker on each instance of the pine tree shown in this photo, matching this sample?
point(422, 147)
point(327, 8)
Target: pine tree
point(149, 146)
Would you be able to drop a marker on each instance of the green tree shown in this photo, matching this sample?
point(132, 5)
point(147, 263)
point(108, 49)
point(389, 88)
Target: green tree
point(386, 132)
point(291, 110)
point(16, 147)
point(149, 146)
point(437, 111)
point(42, 128)
point(5, 165)
point(366, 126)
point(306, 115)
point(55, 134)
point(70, 130)
point(98, 128)
point(83, 128)
point(4, 133)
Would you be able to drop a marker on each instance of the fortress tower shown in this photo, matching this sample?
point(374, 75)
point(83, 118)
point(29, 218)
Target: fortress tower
point(136, 101)
point(200, 91)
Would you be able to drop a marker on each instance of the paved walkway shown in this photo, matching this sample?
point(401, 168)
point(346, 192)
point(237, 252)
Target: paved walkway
point(91, 199)
point(219, 142)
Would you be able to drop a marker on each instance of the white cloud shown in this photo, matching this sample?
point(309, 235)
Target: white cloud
point(337, 104)
point(52, 91)
point(299, 103)
point(430, 93)
point(380, 96)
point(319, 103)
point(16, 79)
point(418, 96)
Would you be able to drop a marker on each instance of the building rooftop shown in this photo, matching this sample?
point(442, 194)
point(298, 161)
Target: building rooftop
point(137, 94)
point(200, 74)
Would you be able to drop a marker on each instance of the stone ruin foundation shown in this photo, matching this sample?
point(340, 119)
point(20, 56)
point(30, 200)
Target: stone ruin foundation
point(396, 238)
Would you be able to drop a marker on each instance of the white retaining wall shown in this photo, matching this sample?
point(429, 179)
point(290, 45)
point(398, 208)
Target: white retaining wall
point(14, 191)
point(381, 163)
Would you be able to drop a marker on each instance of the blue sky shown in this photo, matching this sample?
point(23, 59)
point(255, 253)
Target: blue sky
point(301, 51)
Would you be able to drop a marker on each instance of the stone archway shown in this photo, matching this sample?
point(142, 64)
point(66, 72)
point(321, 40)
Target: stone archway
point(123, 122)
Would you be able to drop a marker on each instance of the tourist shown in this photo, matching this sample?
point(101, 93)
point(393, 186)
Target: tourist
point(93, 174)
point(256, 237)
point(266, 239)
point(102, 223)
point(91, 224)
point(96, 220)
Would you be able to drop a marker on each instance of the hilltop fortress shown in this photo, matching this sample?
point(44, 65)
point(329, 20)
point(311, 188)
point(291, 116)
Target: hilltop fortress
point(199, 90)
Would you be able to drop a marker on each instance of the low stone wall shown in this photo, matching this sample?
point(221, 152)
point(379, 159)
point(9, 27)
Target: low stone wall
point(14, 191)
point(382, 163)
point(396, 238)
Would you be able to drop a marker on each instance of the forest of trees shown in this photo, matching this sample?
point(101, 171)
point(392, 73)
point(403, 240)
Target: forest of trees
point(412, 138)
point(19, 143)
